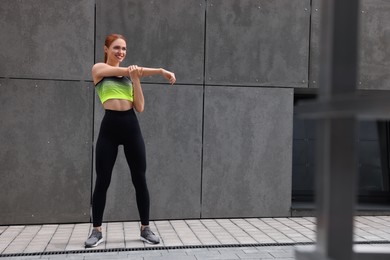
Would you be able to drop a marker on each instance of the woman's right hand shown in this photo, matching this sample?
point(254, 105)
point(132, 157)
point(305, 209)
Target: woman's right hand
point(170, 76)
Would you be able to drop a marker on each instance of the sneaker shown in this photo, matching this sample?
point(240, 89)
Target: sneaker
point(148, 236)
point(94, 239)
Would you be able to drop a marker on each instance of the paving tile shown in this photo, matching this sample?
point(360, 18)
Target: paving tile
point(2, 229)
point(185, 233)
point(175, 252)
point(42, 239)
point(103, 256)
point(169, 257)
point(224, 256)
point(115, 237)
point(8, 235)
point(282, 254)
point(28, 258)
point(66, 256)
point(208, 253)
point(132, 235)
point(60, 238)
point(255, 255)
point(146, 253)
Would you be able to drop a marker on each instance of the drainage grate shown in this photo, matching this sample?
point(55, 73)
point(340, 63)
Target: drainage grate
point(172, 248)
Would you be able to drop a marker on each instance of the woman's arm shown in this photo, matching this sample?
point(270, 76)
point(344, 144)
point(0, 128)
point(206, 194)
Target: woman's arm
point(138, 101)
point(144, 72)
point(101, 70)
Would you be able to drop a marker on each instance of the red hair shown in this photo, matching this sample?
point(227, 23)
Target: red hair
point(109, 40)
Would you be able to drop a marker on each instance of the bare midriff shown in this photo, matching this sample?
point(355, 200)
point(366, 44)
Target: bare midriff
point(118, 104)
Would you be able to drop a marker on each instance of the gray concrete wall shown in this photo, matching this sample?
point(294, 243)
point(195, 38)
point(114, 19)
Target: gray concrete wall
point(219, 142)
point(247, 152)
point(45, 154)
point(374, 40)
point(47, 39)
point(46, 106)
point(167, 34)
point(257, 43)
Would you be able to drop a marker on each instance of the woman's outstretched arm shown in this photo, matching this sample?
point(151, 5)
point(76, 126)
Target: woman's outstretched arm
point(101, 70)
point(144, 72)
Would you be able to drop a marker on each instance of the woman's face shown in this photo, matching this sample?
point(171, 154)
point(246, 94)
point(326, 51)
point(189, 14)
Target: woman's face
point(117, 51)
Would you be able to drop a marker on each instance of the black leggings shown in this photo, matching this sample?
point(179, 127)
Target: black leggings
point(120, 128)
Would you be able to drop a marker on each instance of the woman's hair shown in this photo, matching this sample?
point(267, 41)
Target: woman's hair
point(109, 40)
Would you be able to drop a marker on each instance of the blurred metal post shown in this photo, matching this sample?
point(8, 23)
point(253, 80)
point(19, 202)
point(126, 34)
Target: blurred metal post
point(337, 109)
point(336, 152)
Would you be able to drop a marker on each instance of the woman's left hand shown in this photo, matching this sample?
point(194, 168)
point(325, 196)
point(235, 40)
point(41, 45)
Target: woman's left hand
point(133, 72)
point(170, 76)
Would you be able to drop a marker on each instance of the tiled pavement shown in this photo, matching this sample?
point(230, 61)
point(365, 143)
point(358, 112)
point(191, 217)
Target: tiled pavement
point(251, 238)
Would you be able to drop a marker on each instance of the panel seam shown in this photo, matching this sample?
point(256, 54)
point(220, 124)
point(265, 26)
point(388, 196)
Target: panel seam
point(203, 107)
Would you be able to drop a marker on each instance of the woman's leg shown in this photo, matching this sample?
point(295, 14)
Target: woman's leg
point(136, 159)
point(106, 153)
point(134, 148)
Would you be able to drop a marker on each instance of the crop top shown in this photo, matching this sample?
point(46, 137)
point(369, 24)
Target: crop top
point(115, 88)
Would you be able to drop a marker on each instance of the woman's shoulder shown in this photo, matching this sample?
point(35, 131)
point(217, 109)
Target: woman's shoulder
point(95, 71)
point(99, 64)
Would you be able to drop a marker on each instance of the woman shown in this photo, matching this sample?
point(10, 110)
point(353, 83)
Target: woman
point(120, 92)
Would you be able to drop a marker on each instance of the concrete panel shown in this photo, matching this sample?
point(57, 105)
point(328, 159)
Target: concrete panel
point(247, 153)
point(375, 41)
point(250, 42)
point(315, 43)
point(46, 151)
point(374, 54)
point(168, 34)
point(47, 39)
point(172, 130)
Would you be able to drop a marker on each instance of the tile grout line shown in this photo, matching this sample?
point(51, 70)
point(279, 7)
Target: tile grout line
point(159, 234)
point(216, 237)
point(177, 234)
point(13, 239)
point(243, 230)
point(70, 236)
point(211, 233)
point(227, 231)
point(48, 243)
point(258, 229)
point(292, 229)
point(265, 223)
point(193, 232)
point(32, 239)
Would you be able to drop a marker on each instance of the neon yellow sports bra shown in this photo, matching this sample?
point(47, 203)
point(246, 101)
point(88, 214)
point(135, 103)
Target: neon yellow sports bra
point(115, 88)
